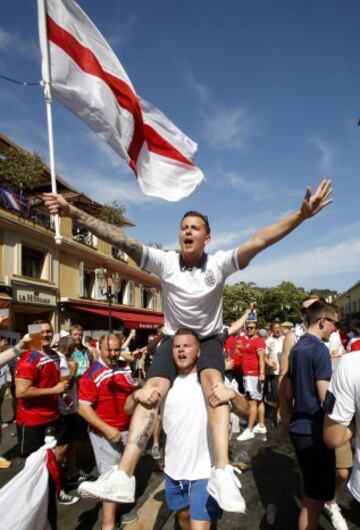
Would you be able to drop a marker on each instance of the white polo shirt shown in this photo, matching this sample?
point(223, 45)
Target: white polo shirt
point(192, 298)
point(345, 386)
point(184, 420)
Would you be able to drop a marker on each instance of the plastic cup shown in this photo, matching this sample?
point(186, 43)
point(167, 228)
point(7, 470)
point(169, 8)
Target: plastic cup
point(35, 336)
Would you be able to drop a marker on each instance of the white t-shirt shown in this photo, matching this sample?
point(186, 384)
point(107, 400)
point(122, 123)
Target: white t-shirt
point(345, 385)
point(192, 298)
point(274, 347)
point(184, 420)
point(299, 331)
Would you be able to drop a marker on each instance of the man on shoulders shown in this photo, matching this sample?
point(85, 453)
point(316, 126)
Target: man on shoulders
point(192, 285)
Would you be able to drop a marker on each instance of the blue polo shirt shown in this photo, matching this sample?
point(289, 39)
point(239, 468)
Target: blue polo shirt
point(309, 362)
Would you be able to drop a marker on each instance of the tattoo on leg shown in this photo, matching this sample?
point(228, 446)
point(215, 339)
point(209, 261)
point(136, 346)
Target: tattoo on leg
point(141, 439)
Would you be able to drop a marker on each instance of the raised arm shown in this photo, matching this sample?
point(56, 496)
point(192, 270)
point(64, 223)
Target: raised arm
point(112, 234)
point(311, 205)
point(236, 326)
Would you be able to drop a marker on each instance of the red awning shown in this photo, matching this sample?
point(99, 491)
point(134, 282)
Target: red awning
point(5, 302)
point(130, 319)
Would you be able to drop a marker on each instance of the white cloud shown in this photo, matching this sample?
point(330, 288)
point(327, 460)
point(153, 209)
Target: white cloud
point(14, 44)
point(229, 127)
point(225, 126)
point(313, 264)
point(103, 188)
point(125, 32)
point(260, 190)
point(326, 152)
point(201, 90)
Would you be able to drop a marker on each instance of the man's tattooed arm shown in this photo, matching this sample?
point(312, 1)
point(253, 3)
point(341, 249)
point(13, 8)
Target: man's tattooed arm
point(110, 233)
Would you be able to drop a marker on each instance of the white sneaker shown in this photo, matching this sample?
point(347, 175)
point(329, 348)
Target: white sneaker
point(334, 512)
point(224, 486)
point(258, 429)
point(246, 435)
point(114, 485)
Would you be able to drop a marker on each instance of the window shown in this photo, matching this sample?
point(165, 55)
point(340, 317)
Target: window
point(32, 262)
point(86, 281)
point(129, 293)
point(147, 297)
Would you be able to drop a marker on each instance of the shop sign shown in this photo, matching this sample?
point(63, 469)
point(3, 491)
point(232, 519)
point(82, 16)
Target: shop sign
point(35, 297)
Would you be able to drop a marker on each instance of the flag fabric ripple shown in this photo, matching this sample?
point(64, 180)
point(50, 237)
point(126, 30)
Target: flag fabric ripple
point(88, 78)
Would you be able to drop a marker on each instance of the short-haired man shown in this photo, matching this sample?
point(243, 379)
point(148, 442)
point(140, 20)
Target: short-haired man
point(103, 390)
point(192, 285)
point(188, 459)
point(37, 388)
point(82, 355)
point(274, 347)
point(306, 386)
point(253, 367)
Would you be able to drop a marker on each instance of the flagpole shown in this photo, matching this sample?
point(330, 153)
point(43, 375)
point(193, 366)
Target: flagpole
point(46, 83)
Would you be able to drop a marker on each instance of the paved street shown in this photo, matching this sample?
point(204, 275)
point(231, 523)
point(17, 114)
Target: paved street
point(272, 479)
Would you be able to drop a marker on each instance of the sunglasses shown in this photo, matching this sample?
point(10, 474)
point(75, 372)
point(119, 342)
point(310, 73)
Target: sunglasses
point(250, 327)
point(334, 322)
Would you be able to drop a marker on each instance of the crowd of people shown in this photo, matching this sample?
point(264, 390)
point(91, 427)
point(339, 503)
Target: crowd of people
point(88, 397)
point(197, 373)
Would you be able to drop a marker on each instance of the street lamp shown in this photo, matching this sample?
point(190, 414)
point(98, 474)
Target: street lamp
point(106, 289)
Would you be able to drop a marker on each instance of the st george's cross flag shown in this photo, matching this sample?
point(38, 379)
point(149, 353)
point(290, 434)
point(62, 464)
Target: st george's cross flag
point(26, 501)
point(88, 78)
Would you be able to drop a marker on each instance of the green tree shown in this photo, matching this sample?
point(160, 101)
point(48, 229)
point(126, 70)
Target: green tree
point(114, 213)
point(21, 170)
point(282, 301)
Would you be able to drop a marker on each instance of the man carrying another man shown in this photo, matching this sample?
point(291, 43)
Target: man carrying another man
point(188, 459)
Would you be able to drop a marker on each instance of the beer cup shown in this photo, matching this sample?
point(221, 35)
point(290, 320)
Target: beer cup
point(35, 336)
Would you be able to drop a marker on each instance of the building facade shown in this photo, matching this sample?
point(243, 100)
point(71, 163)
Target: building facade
point(349, 303)
point(79, 281)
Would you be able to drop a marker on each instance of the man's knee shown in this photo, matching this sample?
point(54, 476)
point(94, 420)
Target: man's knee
point(183, 515)
point(161, 383)
point(210, 377)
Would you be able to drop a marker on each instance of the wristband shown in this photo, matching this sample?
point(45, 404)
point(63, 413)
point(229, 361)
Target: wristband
point(17, 351)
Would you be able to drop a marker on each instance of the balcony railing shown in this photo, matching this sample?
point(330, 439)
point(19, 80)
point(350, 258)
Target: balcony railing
point(119, 254)
point(83, 236)
point(28, 207)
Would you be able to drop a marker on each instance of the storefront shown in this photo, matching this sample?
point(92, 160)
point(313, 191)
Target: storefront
point(95, 316)
point(32, 302)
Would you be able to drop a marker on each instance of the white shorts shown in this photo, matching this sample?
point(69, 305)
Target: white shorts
point(254, 389)
point(107, 454)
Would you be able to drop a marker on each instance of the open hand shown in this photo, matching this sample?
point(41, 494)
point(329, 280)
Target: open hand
point(314, 202)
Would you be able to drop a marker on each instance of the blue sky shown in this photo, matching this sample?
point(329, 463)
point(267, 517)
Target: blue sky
point(270, 90)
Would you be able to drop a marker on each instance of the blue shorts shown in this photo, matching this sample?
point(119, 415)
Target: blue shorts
point(191, 494)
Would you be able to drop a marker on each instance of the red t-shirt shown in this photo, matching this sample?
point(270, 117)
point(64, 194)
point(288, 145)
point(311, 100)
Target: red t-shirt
point(233, 350)
point(250, 358)
point(43, 371)
point(107, 390)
